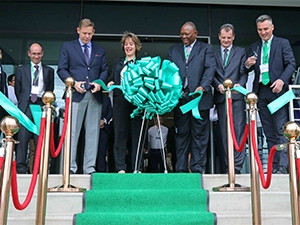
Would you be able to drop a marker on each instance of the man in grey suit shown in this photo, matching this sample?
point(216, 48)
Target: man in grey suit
point(32, 80)
point(196, 63)
point(230, 62)
point(273, 62)
point(85, 61)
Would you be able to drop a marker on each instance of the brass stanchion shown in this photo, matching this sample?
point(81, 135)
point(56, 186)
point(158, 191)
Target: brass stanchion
point(231, 186)
point(66, 186)
point(9, 126)
point(251, 100)
point(292, 131)
point(48, 99)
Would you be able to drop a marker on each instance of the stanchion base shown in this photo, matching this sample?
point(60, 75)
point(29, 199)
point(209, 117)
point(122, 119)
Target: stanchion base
point(229, 188)
point(69, 188)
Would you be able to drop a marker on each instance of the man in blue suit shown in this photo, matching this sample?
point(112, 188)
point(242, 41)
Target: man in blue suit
point(196, 63)
point(230, 62)
point(85, 61)
point(273, 63)
point(32, 80)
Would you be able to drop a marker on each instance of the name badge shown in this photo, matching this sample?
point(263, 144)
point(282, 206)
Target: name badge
point(35, 89)
point(264, 68)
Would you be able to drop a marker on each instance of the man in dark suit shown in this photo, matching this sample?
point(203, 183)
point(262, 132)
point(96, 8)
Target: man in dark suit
point(3, 87)
point(196, 63)
point(230, 62)
point(32, 80)
point(85, 61)
point(273, 63)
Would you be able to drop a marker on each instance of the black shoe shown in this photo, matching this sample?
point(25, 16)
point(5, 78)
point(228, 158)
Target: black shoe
point(72, 172)
point(282, 170)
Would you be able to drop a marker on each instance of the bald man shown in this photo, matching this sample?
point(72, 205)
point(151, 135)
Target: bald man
point(32, 80)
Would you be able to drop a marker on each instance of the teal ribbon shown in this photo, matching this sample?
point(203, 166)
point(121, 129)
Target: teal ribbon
point(36, 112)
point(18, 114)
point(193, 105)
point(281, 101)
point(105, 88)
point(240, 89)
point(151, 88)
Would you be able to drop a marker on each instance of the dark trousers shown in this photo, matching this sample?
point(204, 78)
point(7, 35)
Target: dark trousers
point(156, 164)
point(192, 136)
point(102, 149)
point(127, 131)
point(273, 124)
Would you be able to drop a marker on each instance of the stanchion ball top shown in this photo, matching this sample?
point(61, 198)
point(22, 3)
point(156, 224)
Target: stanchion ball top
point(291, 130)
point(70, 82)
point(251, 98)
point(48, 97)
point(228, 83)
point(9, 126)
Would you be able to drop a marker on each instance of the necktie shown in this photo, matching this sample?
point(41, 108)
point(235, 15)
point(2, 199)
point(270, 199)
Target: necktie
point(35, 82)
point(86, 53)
point(188, 50)
point(265, 75)
point(225, 55)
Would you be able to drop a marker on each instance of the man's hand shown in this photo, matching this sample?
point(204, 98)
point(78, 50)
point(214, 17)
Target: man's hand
point(79, 86)
point(96, 88)
point(277, 86)
point(200, 89)
point(221, 88)
point(250, 61)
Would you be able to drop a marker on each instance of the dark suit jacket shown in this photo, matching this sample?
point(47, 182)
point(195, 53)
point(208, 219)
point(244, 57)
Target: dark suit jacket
point(115, 75)
point(200, 69)
point(234, 70)
point(3, 89)
point(23, 84)
point(281, 62)
point(72, 63)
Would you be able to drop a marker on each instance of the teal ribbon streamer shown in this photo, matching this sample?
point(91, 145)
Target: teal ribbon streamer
point(241, 90)
point(281, 101)
point(105, 88)
point(36, 112)
point(18, 114)
point(193, 105)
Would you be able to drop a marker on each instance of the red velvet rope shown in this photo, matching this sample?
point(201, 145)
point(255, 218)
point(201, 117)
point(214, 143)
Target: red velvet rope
point(1, 162)
point(298, 167)
point(55, 153)
point(14, 184)
point(265, 182)
point(235, 143)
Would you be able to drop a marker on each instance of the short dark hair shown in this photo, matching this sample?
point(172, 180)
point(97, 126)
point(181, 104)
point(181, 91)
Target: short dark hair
point(10, 77)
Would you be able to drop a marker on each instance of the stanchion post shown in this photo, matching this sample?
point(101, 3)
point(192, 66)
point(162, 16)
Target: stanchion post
point(9, 126)
point(66, 186)
point(292, 131)
point(48, 98)
point(231, 186)
point(251, 100)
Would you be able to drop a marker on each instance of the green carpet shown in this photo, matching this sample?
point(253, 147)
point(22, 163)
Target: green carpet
point(146, 199)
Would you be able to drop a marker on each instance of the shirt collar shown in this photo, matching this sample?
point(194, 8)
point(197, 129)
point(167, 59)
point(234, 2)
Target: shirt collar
point(88, 44)
point(33, 64)
point(269, 41)
point(229, 48)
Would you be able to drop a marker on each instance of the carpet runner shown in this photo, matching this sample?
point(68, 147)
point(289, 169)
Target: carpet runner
point(146, 199)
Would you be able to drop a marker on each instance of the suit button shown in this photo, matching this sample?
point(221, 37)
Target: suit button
point(89, 68)
point(186, 67)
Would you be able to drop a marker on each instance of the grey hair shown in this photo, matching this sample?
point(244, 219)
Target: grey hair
point(227, 27)
point(263, 18)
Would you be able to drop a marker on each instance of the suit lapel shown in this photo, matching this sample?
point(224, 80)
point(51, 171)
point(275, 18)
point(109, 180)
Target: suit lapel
point(272, 50)
point(79, 50)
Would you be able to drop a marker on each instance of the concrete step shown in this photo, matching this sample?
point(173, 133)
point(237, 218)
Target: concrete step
point(235, 208)
point(61, 206)
point(279, 182)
